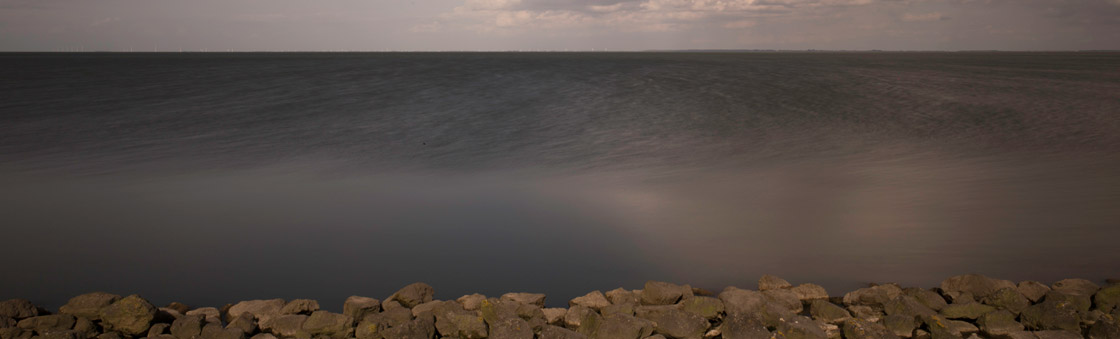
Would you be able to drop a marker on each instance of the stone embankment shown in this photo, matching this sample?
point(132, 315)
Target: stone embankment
point(967, 306)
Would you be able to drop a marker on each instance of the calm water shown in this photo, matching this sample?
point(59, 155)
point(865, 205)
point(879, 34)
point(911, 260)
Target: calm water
point(212, 178)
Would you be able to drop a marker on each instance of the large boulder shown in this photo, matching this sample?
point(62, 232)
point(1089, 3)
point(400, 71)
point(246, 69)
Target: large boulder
point(323, 323)
point(769, 282)
point(131, 315)
point(1007, 299)
point(46, 323)
point(1051, 316)
point(525, 298)
point(187, 327)
point(573, 319)
point(1075, 286)
point(1033, 290)
point(209, 314)
point(800, 327)
point(874, 296)
point(810, 292)
point(907, 306)
point(1108, 298)
point(862, 329)
point(1106, 327)
point(555, 315)
point(287, 325)
point(623, 296)
point(594, 300)
point(356, 307)
point(556, 332)
point(706, 307)
point(245, 323)
point(737, 300)
point(785, 298)
point(420, 328)
point(977, 285)
point(901, 325)
point(672, 322)
point(971, 310)
point(18, 309)
point(999, 324)
point(464, 325)
point(513, 328)
point(300, 306)
point(743, 326)
point(413, 294)
point(89, 305)
point(663, 293)
point(471, 302)
point(263, 310)
point(614, 326)
point(494, 310)
point(828, 312)
point(373, 323)
point(930, 299)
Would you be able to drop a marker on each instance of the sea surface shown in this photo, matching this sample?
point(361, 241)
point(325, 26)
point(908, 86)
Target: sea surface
point(209, 178)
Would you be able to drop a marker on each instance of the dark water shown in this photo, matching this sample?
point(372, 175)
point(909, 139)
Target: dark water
point(212, 178)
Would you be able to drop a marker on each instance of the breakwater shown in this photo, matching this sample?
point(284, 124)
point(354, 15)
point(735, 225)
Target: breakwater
point(966, 306)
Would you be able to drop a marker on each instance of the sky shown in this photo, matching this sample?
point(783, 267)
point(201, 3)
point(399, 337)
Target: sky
point(620, 25)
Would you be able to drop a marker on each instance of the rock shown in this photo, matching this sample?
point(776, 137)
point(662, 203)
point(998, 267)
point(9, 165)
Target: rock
point(525, 298)
point(862, 329)
point(287, 325)
point(999, 323)
point(419, 328)
point(263, 310)
point(706, 307)
point(1106, 327)
point(6, 322)
point(874, 296)
point(939, 327)
point(594, 300)
point(1033, 290)
point(828, 312)
point(130, 315)
point(615, 326)
point(109, 335)
point(928, 298)
point(977, 285)
point(390, 304)
point(1051, 315)
point(907, 306)
point(622, 296)
point(574, 318)
point(494, 310)
point(432, 305)
point(921, 334)
point(300, 306)
point(743, 326)
point(46, 323)
point(166, 315)
point(178, 307)
point(627, 309)
point(784, 298)
point(663, 293)
point(810, 292)
point(244, 323)
point(15, 333)
point(157, 329)
point(1056, 335)
point(216, 331)
point(966, 311)
point(209, 314)
point(471, 302)
point(356, 307)
point(962, 327)
point(264, 336)
point(769, 282)
point(323, 323)
point(800, 327)
point(1007, 299)
point(865, 312)
point(556, 332)
point(89, 305)
point(18, 309)
point(413, 294)
point(513, 328)
point(1075, 286)
point(1108, 298)
point(554, 316)
point(187, 327)
point(672, 322)
point(737, 300)
point(461, 324)
point(901, 325)
point(390, 318)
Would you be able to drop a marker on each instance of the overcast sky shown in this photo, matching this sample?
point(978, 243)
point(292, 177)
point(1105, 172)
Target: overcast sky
point(381, 25)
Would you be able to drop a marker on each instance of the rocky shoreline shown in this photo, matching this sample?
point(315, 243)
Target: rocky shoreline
point(967, 306)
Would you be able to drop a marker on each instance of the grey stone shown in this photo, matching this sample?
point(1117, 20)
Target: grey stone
point(810, 292)
point(784, 298)
point(594, 300)
point(966, 311)
point(1075, 286)
point(623, 296)
point(828, 312)
point(513, 328)
point(901, 325)
point(18, 309)
point(672, 322)
point(287, 325)
point(743, 326)
point(525, 298)
point(999, 323)
point(245, 323)
point(187, 327)
point(978, 286)
point(554, 316)
point(663, 293)
point(413, 294)
point(300, 306)
point(130, 315)
point(1033, 290)
point(209, 314)
point(737, 300)
point(769, 282)
point(930, 299)
point(471, 302)
point(89, 305)
point(263, 310)
point(706, 307)
point(861, 329)
point(1108, 298)
point(556, 332)
point(874, 296)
